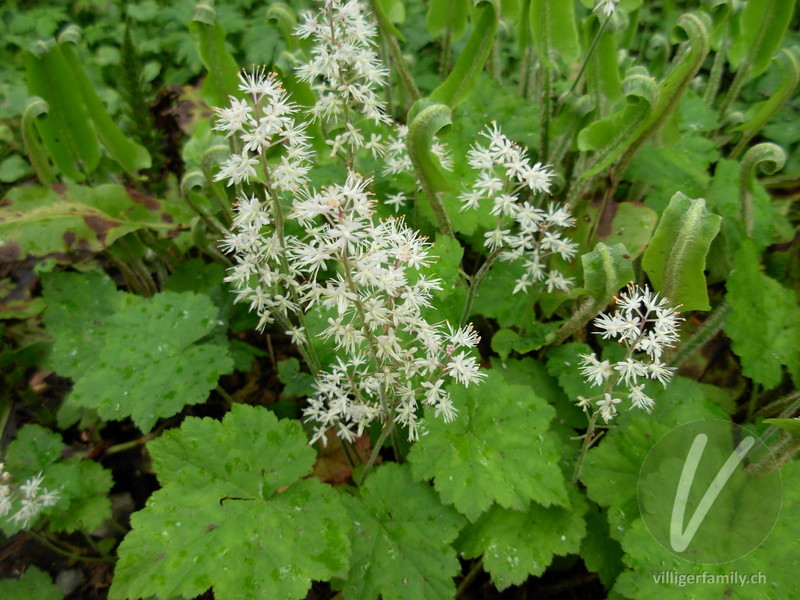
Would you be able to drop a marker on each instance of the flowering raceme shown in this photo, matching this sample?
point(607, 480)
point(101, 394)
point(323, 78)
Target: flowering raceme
point(366, 276)
point(645, 324)
point(525, 230)
point(345, 72)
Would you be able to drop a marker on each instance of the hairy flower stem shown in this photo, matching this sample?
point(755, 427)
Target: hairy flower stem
point(307, 348)
point(67, 553)
point(476, 282)
point(589, 439)
point(546, 108)
point(589, 54)
point(385, 432)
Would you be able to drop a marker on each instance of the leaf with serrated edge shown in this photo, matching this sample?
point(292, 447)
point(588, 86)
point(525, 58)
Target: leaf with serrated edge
point(150, 366)
point(78, 307)
point(234, 513)
point(34, 584)
point(401, 540)
point(515, 544)
point(83, 485)
point(775, 559)
point(498, 450)
point(765, 321)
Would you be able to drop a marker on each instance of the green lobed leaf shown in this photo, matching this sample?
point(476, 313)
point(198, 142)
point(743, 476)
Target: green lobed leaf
point(494, 299)
point(601, 553)
point(45, 220)
point(79, 305)
point(401, 540)
point(66, 128)
point(34, 584)
point(764, 325)
point(675, 259)
point(774, 562)
point(533, 373)
point(236, 513)
point(518, 543)
point(497, 451)
point(611, 470)
point(150, 365)
point(83, 485)
point(554, 31)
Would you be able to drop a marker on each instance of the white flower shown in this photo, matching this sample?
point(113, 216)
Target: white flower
point(597, 372)
point(639, 399)
point(630, 370)
point(238, 168)
point(607, 7)
point(607, 407)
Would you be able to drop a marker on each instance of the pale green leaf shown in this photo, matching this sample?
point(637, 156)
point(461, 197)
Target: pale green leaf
point(151, 366)
point(518, 543)
point(401, 540)
point(764, 325)
point(83, 485)
point(236, 513)
point(34, 584)
point(79, 306)
point(498, 450)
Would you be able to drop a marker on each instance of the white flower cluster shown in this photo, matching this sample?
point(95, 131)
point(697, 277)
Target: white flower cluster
point(344, 70)
point(265, 120)
point(366, 272)
point(394, 356)
point(646, 325)
point(30, 498)
point(525, 230)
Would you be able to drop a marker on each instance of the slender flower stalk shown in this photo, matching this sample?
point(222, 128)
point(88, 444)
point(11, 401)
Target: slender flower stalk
point(646, 325)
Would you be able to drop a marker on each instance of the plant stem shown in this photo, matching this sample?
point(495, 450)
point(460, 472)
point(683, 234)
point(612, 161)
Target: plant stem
point(71, 555)
point(476, 281)
point(123, 447)
point(589, 438)
point(387, 429)
point(751, 404)
point(589, 54)
point(546, 109)
point(477, 566)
